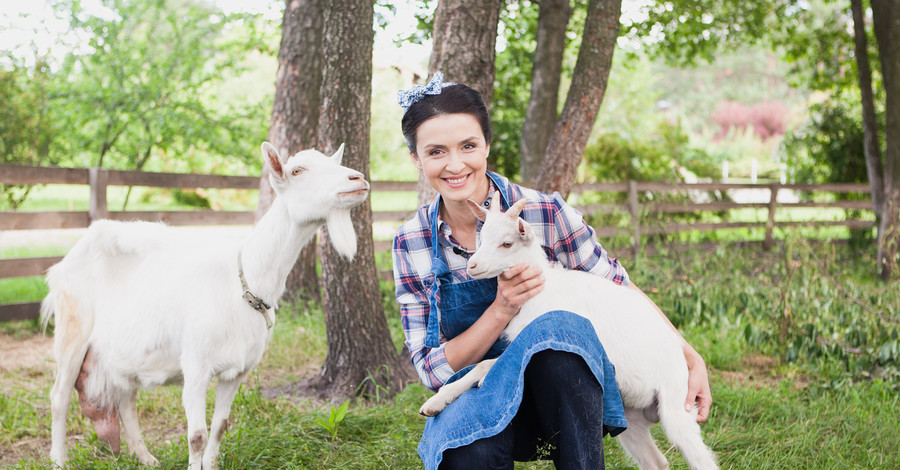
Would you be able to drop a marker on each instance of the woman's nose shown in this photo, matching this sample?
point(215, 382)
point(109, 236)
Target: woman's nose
point(455, 163)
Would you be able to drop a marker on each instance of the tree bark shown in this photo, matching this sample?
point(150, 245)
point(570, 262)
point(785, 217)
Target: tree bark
point(361, 354)
point(573, 128)
point(464, 41)
point(295, 118)
point(540, 116)
point(886, 20)
point(874, 168)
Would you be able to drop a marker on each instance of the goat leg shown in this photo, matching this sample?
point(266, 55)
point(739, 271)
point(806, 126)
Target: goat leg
point(104, 416)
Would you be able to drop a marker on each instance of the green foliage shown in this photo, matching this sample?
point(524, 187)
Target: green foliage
point(25, 130)
point(656, 157)
point(829, 146)
point(512, 85)
point(686, 31)
point(144, 87)
point(335, 416)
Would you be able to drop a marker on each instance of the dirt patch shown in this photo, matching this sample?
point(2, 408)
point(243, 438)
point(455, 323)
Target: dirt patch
point(26, 356)
point(762, 372)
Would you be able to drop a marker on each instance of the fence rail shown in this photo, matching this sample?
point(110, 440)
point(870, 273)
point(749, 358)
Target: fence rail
point(100, 179)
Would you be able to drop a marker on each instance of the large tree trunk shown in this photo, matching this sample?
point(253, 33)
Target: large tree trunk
point(360, 349)
point(886, 19)
point(540, 116)
point(295, 118)
point(574, 126)
point(464, 39)
point(874, 168)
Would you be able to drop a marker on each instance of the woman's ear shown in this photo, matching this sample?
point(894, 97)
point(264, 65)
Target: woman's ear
point(416, 160)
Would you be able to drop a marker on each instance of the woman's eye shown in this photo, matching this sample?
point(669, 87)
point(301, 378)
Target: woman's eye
point(506, 245)
point(297, 171)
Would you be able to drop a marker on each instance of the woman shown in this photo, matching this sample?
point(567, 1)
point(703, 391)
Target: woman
point(452, 321)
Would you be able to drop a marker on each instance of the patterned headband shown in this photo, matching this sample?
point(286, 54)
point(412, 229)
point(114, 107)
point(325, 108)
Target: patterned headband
point(407, 98)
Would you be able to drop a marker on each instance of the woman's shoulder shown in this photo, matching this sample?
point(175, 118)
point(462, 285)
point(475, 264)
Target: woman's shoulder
point(416, 230)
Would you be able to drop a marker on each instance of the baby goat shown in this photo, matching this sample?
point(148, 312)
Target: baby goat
point(651, 372)
point(138, 305)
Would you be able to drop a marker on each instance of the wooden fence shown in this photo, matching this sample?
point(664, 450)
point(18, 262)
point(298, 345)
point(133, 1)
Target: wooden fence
point(99, 180)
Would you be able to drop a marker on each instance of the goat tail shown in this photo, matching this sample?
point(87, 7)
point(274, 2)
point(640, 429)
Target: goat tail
point(683, 431)
point(48, 308)
point(113, 238)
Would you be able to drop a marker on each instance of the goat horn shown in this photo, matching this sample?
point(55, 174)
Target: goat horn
point(495, 202)
point(516, 208)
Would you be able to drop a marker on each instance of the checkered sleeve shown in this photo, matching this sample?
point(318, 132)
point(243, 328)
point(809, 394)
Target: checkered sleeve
point(411, 253)
point(575, 244)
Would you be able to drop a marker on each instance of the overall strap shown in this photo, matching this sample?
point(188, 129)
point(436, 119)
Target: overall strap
point(439, 267)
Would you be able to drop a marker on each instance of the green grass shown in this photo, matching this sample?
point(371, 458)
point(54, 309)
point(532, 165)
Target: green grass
point(793, 338)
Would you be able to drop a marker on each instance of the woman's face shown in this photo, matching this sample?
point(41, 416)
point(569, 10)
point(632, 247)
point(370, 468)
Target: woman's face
point(452, 154)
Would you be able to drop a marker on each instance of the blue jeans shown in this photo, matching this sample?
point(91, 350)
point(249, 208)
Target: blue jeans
point(559, 418)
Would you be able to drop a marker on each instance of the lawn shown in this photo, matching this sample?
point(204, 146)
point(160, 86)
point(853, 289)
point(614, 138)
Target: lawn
point(801, 342)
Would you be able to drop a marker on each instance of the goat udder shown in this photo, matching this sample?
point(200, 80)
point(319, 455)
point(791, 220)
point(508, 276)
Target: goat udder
point(104, 417)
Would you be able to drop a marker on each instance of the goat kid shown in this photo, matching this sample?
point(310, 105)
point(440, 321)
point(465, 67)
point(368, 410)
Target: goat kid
point(651, 372)
point(137, 305)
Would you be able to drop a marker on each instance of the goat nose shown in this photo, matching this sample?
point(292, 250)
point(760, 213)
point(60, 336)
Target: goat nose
point(356, 177)
point(472, 265)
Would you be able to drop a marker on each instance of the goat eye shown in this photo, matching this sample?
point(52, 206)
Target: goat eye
point(506, 245)
point(297, 171)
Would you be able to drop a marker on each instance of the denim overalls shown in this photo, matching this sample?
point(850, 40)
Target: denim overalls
point(462, 303)
point(486, 411)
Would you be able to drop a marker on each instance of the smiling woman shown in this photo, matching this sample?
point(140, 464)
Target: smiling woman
point(452, 321)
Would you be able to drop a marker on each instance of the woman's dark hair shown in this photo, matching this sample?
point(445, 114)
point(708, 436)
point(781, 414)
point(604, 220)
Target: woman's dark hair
point(454, 99)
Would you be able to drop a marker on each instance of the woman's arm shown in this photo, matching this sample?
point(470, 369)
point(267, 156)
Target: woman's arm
point(698, 379)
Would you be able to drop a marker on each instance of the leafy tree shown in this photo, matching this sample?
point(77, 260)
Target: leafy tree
point(546, 75)
point(26, 132)
point(144, 87)
point(295, 117)
point(361, 355)
point(574, 125)
point(815, 36)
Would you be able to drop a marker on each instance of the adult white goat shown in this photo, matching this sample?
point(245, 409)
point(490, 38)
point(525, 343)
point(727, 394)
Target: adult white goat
point(137, 305)
point(651, 372)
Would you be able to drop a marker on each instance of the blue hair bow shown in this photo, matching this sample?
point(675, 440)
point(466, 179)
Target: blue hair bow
point(407, 98)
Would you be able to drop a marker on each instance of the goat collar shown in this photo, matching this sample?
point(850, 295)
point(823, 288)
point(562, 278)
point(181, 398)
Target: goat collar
point(255, 302)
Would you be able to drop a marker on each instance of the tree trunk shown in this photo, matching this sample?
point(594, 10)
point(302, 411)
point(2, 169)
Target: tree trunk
point(574, 126)
point(295, 118)
point(361, 356)
point(886, 20)
point(464, 40)
point(874, 168)
point(540, 116)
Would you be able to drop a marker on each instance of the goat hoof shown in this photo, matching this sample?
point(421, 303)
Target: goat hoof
point(432, 407)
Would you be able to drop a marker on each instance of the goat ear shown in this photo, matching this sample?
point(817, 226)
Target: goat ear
point(476, 209)
point(338, 155)
point(273, 159)
point(516, 208)
point(525, 231)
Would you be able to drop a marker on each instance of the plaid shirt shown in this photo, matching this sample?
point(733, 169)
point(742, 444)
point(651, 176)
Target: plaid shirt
point(565, 236)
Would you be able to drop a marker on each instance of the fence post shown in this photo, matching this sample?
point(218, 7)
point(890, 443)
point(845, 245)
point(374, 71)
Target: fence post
point(98, 179)
point(770, 223)
point(635, 214)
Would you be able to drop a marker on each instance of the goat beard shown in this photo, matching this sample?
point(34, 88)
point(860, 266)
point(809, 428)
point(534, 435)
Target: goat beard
point(341, 233)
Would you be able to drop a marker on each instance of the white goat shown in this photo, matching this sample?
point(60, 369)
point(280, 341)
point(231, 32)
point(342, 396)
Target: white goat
point(137, 305)
point(651, 372)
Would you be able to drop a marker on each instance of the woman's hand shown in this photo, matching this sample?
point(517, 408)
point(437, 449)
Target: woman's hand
point(698, 384)
point(514, 287)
